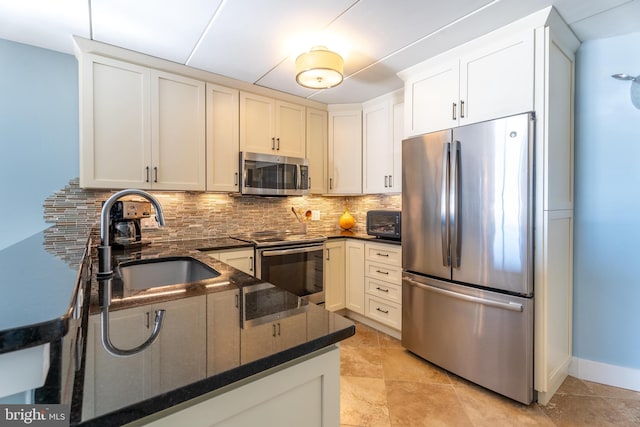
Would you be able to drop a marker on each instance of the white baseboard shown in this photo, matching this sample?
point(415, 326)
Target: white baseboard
point(603, 373)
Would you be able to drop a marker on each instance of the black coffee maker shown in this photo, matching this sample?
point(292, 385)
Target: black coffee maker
point(125, 216)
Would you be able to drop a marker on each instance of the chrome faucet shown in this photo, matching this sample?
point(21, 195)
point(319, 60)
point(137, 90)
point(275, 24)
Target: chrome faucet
point(104, 250)
point(105, 274)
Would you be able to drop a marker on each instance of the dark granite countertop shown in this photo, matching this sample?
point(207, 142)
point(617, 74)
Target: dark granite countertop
point(320, 327)
point(39, 285)
point(359, 236)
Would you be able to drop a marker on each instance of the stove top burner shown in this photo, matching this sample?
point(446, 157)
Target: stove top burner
point(278, 238)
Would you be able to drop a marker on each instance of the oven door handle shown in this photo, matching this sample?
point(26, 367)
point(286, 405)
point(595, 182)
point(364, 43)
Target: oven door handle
point(292, 251)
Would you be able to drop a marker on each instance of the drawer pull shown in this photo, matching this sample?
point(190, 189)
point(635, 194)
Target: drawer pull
point(382, 311)
point(382, 272)
point(379, 254)
point(382, 289)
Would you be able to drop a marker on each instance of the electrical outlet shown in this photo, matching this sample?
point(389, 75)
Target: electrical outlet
point(315, 215)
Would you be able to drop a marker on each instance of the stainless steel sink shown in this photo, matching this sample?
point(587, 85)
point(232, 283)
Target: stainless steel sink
point(153, 273)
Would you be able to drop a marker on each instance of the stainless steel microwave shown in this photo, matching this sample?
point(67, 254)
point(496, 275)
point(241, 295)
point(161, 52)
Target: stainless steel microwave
point(273, 175)
point(384, 224)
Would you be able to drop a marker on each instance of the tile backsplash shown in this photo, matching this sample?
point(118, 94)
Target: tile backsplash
point(205, 215)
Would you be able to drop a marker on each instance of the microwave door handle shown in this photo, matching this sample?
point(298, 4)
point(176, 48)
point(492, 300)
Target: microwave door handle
point(298, 179)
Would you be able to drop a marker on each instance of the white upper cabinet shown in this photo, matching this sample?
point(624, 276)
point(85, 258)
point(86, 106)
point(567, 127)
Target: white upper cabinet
point(178, 132)
point(344, 168)
point(223, 144)
point(317, 150)
point(480, 81)
point(140, 127)
point(271, 126)
point(381, 147)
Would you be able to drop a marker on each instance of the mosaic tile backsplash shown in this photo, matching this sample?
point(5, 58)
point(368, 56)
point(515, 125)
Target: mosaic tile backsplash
point(75, 212)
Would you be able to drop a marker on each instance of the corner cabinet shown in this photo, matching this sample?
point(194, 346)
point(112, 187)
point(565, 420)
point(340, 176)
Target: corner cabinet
point(382, 124)
point(223, 143)
point(525, 66)
point(240, 258)
point(140, 127)
point(271, 126)
point(494, 79)
point(344, 163)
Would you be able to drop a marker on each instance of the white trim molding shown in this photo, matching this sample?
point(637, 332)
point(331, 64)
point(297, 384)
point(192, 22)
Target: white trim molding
point(604, 373)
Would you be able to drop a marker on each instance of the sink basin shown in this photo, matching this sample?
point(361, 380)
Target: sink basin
point(153, 273)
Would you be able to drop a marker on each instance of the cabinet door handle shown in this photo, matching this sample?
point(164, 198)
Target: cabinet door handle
point(237, 301)
point(455, 106)
point(380, 254)
point(147, 174)
point(382, 311)
point(386, 181)
point(279, 329)
point(250, 263)
point(390, 180)
point(278, 145)
point(328, 254)
point(382, 272)
point(235, 179)
point(274, 330)
point(461, 109)
point(155, 174)
point(273, 143)
point(330, 183)
point(382, 289)
point(147, 320)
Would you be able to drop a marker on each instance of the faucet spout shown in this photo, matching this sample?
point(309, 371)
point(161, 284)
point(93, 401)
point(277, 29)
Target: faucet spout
point(104, 250)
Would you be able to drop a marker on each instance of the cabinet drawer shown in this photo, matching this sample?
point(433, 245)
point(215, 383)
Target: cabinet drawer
point(388, 273)
point(383, 311)
point(385, 290)
point(388, 254)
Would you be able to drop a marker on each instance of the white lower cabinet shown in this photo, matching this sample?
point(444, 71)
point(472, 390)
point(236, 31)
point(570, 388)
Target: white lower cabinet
point(354, 276)
point(240, 258)
point(334, 275)
point(262, 340)
point(383, 288)
point(160, 368)
point(303, 392)
point(223, 336)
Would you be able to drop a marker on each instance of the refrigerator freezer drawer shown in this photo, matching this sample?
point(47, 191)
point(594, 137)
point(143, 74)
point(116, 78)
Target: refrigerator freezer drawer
point(485, 337)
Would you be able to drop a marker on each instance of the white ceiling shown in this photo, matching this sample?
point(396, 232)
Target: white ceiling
point(257, 40)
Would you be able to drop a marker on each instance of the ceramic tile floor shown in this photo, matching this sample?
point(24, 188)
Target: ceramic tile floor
point(382, 384)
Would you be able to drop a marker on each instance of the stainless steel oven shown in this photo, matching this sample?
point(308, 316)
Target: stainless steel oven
point(291, 261)
point(295, 268)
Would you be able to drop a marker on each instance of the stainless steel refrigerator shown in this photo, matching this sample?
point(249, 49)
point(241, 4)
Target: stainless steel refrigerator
point(467, 252)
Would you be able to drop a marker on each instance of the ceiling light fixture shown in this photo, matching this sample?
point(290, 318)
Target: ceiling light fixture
point(319, 68)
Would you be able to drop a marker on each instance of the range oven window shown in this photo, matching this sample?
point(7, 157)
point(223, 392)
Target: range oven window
point(296, 269)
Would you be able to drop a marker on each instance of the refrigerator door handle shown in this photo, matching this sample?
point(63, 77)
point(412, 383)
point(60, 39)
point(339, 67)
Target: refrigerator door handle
point(511, 306)
point(454, 206)
point(444, 205)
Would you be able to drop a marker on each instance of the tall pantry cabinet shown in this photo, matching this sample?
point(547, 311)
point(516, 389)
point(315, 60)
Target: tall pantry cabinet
point(525, 66)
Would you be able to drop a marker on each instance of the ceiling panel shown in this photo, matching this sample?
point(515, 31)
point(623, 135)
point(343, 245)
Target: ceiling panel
point(599, 26)
point(249, 38)
point(44, 23)
point(576, 10)
point(170, 31)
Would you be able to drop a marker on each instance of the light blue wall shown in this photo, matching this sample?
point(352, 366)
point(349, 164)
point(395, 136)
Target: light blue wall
point(607, 209)
point(38, 134)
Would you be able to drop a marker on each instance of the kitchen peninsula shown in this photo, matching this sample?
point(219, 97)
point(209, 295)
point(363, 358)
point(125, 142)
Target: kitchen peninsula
point(195, 366)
